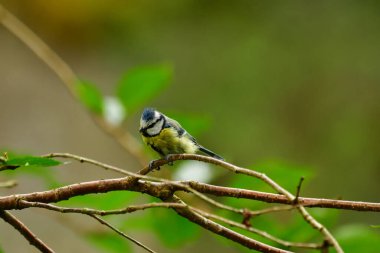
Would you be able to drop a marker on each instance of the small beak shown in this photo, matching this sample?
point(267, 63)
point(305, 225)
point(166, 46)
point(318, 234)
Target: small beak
point(140, 130)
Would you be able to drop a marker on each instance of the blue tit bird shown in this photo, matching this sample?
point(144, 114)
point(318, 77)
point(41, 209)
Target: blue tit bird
point(166, 136)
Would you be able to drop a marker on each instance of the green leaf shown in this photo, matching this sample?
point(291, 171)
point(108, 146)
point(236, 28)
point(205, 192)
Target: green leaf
point(26, 161)
point(110, 242)
point(140, 84)
point(173, 229)
point(37, 166)
point(90, 96)
point(358, 238)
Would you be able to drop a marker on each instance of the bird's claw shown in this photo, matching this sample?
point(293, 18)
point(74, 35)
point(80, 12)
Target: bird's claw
point(169, 160)
point(152, 165)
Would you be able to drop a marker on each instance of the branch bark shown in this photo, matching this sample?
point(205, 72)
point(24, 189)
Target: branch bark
point(69, 79)
point(281, 199)
point(221, 230)
point(163, 189)
point(20, 227)
point(121, 233)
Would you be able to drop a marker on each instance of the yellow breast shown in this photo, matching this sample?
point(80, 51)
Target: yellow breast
point(168, 142)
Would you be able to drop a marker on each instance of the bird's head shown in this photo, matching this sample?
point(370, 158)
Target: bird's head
point(151, 122)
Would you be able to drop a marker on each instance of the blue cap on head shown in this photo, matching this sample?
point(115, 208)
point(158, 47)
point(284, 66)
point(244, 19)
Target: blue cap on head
point(148, 114)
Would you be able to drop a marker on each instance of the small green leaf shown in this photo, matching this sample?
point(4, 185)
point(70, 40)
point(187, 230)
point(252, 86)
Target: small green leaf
point(24, 161)
point(110, 242)
point(36, 166)
point(140, 84)
point(90, 96)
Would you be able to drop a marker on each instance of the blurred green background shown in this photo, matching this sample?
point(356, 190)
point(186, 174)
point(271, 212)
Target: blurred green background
point(289, 81)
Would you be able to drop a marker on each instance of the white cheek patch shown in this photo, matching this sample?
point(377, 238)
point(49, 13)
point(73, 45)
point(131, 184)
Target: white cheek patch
point(156, 128)
point(142, 123)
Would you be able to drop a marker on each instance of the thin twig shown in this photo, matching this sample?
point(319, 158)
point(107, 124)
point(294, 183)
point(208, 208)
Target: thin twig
point(178, 184)
point(69, 79)
point(272, 209)
point(163, 191)
point(223, 191)
point(233, 192)
point(121, 233)
point(238, 170)
point(295, 201)
point(105, 166)
point(24, 230)
point(8, 184)
point(129, 209)
point(99, 186)
point(166, 188)
point(125, 138)
point(82, 159)
point(258, 231)
point(210, 225)
point(124, 172)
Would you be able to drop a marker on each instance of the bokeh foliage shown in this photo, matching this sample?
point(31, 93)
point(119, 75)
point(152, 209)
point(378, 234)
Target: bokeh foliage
point(294, 81)
point(163, 223)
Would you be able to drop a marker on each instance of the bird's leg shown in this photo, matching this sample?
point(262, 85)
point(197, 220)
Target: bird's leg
point(152, 165)
point(169, 160)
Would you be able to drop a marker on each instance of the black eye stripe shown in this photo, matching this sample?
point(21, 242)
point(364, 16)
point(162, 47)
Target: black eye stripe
point(154, 123)
point(144, 131)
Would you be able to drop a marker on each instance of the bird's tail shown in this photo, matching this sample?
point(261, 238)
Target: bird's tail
point(210, 153)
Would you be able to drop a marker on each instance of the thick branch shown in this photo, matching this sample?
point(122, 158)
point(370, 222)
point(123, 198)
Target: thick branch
point(159, 189)
point(228, 191)
point(129, 143)
point(187, 213)
point(259, 232)
point(99, 186)
point(281, 199)
point(221, 230)
point(162, 191)
point(165, 189)
point(20, 227)
point(307, 217)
